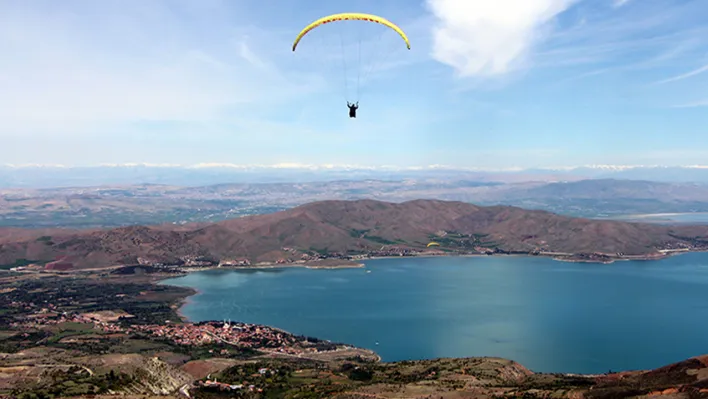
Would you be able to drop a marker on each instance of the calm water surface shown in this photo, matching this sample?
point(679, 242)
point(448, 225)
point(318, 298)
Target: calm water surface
point(550, 316)
point(670, 218)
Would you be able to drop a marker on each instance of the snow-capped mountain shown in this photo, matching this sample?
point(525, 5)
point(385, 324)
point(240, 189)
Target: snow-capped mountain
point(38, 175)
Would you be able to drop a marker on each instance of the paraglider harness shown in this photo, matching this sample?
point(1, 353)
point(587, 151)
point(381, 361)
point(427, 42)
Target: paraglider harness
point(352, 109)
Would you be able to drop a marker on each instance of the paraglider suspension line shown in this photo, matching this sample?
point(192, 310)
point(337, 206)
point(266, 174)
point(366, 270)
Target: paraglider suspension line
point(358, 67)
point(344, 61)
point(376, 57)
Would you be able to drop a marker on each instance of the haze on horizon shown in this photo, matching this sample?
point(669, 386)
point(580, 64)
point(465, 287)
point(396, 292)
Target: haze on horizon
point(510, 83)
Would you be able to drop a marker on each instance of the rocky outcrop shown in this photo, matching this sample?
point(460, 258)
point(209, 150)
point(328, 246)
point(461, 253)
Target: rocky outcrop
point(156, 377)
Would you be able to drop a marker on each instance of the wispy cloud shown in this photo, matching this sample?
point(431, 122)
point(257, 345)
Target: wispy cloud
point(697, 104)
point(584, 75)
point(620, 3)
point(88, 66)
point(251, 57)
point(484, 38)
point(686, 75)
point(651, 35)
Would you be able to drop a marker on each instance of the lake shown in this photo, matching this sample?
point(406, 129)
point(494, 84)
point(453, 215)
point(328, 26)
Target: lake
point(548, 315)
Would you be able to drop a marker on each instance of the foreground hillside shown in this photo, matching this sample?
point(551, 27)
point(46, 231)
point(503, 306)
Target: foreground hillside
point(352, 230)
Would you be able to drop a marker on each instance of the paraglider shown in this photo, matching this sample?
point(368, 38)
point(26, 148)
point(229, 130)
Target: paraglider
point(433, 244)
point(352, 109)
point(353, 106)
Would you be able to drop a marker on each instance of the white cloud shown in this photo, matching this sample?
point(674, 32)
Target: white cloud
point(489, 37)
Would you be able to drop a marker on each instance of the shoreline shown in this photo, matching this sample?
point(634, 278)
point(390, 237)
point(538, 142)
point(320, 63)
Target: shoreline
point(273, 265)
point(183, 271)
point(178, 271)
point(361, 263)
point(178, 305)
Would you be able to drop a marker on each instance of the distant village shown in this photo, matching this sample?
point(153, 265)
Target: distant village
point(239, 335)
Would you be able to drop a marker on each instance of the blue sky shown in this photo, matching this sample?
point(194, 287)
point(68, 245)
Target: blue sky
point(503, 83)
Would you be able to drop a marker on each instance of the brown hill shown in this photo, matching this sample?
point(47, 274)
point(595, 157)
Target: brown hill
point(352, 227)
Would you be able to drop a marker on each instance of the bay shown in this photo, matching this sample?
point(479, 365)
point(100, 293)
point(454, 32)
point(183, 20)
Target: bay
point(548, 315)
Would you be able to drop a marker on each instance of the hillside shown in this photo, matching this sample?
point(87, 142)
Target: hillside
point(347, 228)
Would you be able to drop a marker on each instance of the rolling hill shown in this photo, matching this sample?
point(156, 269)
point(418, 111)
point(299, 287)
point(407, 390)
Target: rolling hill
point(349, 228)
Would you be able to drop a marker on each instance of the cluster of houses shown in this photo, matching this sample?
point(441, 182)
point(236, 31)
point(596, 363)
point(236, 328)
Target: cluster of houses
point(238, 334)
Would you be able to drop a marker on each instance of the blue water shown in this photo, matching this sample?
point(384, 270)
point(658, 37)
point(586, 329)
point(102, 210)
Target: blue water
point(674, 218)
point(550, 316)
point(693, 218)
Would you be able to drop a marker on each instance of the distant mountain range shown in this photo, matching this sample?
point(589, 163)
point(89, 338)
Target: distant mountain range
point(44, 176)
point(353, 228)
point(121, 205)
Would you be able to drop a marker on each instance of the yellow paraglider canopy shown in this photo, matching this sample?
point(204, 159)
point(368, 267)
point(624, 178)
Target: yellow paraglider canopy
point(351, 16)
point(433, 244)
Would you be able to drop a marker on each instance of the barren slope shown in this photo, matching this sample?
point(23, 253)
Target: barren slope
point(350, 226)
